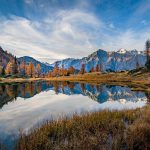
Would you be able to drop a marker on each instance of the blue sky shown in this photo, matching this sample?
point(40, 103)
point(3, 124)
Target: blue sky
point(50, 30)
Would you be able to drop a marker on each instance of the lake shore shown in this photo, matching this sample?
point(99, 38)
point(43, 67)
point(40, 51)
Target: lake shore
point(19, 80)
point(139, 81)
point(126, 129)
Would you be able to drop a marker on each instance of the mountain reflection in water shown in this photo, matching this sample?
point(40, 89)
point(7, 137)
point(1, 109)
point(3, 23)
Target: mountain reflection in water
point(99, 93)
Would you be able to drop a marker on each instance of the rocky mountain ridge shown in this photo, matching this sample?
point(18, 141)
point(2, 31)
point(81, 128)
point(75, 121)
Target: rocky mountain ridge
point(109, 61)
point(120, 60)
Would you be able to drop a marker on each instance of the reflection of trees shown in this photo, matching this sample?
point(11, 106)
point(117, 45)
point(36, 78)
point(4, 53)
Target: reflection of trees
point(30, 88)
point(97, 88)
point(56, 87)
point(7, 95)
point(38, 87)
point(92, 86)
point(15, 91)
point(71, 85)
point(22, 89)
point(10, 92)
point(148, 97)
point(82, 87)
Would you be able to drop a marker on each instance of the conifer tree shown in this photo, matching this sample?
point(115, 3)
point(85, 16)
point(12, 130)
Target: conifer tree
point(92, 69)
point(71, 70)
point(82, 71)
point(12, 67)
point(147, 46)
point(3, 71)
point(62, 70)
point(23, 68)
point(38, 69)
point(1, 67)
point(15, 66)
point(31, 69)
point(97, 68)
point(9, 68)
point(56, 70)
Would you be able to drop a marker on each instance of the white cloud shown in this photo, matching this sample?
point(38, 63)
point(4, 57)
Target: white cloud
point(71, 33)
point(59, 37)
point(126, 39)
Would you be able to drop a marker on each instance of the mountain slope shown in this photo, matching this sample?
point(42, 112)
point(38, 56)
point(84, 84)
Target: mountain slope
point(44, 67)
point(109, 61)
point(5, 57)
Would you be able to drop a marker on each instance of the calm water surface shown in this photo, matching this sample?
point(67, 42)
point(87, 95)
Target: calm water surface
point(23, 106)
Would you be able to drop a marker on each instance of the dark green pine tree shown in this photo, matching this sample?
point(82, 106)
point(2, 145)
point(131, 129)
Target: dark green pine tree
point(147, 45)
point(3, 71)
point(15, 69)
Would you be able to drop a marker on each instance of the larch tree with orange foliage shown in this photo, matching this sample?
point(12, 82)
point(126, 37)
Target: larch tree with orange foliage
point(31, 70)
point(9, 68)
point(92, 69)
point(56, 70)
point(38, 69)
point(82, 71)
point(71, 70)
point(62, 70)
point(97, 68)
point(22, 68)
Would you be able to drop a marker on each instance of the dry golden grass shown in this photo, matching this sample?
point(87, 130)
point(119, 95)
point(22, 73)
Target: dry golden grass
point(140, 82)
point(128, 129)
point(19, 80)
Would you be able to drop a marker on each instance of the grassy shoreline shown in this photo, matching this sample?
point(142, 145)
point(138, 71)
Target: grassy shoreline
point(138, 81)
point(126, 129)
point(19, 80)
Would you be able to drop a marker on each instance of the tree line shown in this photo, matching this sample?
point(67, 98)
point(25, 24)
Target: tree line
point(20, 69)
point(29, 70)
point(61, 71)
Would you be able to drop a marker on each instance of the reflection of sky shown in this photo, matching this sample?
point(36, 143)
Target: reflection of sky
point(24, 114)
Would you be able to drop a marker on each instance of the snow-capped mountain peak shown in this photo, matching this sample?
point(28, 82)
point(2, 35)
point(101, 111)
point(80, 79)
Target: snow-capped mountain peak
point(109, 61)
point(122, 51)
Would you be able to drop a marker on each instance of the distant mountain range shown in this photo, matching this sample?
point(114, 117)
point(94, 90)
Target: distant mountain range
point(45, 67)
point(6, 57)
point(109, 61)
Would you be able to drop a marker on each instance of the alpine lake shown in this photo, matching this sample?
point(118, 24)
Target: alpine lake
point(24, 106)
